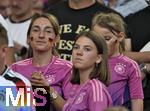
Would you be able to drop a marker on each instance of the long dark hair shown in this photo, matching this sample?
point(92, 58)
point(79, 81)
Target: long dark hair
point(101, 70)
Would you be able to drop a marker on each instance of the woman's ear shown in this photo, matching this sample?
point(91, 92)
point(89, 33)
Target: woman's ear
point(99, 58)
point(4, 49)
point(29, 39)
point(121, 36)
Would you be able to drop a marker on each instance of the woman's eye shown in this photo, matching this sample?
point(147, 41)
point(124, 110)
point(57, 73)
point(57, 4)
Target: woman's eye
point(48, 31)
point(107, 38)
point(87, 49)
point(35, 30)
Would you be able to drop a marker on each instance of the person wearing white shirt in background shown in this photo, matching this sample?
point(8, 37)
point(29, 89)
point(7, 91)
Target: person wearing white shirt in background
point(18, 23)
point(10, 53)
point(5, 8)
point(12, 80)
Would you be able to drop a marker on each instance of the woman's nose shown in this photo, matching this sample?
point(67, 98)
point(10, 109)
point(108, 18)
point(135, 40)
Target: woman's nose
point(80, 52)
point(41, 34)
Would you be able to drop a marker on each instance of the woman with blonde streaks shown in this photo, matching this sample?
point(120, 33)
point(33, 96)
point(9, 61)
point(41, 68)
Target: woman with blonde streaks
point(126, 82)
point(44, 68)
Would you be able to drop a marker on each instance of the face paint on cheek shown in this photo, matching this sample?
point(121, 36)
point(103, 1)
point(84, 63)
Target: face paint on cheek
point(50, 40)
point(115, 42)
point(31, 38)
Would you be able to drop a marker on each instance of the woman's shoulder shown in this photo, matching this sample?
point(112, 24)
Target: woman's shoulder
point(124, 60)
point(97, 90)
point(95, 84)
point(23, 62)
point(129, 62)
point(62, 62)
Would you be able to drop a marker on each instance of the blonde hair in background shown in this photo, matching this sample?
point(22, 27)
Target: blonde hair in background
point(113, 22)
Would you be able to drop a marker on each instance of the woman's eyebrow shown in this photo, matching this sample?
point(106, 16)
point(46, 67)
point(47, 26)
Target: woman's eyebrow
point(36, 26)
point(48, 27)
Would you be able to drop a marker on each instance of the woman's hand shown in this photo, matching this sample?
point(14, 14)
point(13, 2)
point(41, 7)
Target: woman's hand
point(38, 79)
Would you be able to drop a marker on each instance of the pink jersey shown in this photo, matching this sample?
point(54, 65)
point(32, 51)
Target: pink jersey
point(57, 71)
point(126, 81)
point(92, 96)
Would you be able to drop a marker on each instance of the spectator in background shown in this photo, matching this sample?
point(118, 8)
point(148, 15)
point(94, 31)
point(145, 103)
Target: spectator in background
point(38, 6)
point(138, 26)
point(137, 17)
point(138, 34)
point(49, 3)
point(10, 79)
point(10, 58)
point(125, 7)
point(18, 24)
point(5, 8)
point(74, 17)
point(5, 11)
point(126, 82)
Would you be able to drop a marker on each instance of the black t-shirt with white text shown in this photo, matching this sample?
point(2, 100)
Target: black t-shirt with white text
point(72, 22)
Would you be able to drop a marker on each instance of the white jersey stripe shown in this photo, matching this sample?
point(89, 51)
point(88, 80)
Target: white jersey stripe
point(101, 91)
point(93, 90)
point(135, 65)
point(97, 90)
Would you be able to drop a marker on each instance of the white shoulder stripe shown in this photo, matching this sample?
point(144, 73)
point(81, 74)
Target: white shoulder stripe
point(97, 90)
point(135, 65)
point(93, 90)
point(24, 62)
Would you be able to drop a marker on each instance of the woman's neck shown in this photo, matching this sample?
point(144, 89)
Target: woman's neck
point(112, 2)
point(115, 54)
point(80, 4)
point(41, 59)
point(84, 75)
point(21, 18)
point(2, 69)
